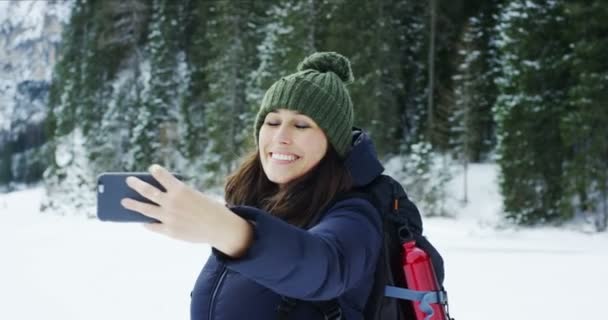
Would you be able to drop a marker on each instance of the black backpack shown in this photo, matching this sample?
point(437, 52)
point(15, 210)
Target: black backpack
point(401, 222)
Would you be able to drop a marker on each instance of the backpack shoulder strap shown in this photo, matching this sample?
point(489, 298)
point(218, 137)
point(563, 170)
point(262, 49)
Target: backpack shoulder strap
point(285, 307)
point(355, 193)
point(330, 309)
point(347, 195)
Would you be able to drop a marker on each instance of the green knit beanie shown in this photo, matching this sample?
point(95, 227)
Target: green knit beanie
point(317, 90)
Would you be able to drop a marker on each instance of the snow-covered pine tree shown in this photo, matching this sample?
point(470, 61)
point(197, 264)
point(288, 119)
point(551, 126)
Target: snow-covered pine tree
point(157, 117)
point(70, 186)
point(584, 125)
point(472, 124)
point(532, 98)
point(5, 162)
point(65, 95)
point(98, 65)
point(405, 76)
point(92, 73)
point(410, 39)
point(443, 26)
point(233, 37)
point(466, 98)
point(192, 131)
point(193, 104)
point(424, 175)
point(387, 80)
point(288, 36)
point(122, 27)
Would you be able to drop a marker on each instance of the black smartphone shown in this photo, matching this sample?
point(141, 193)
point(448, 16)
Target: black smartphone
point(112, 188)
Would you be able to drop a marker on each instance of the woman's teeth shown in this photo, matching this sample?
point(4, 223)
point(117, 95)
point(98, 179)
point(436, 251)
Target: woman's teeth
point(279, 156)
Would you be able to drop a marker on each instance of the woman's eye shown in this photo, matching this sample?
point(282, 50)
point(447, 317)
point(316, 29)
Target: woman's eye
point(302, 126)
point(272, 124)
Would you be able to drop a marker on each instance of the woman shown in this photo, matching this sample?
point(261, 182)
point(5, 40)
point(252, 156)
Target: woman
point(289, 229)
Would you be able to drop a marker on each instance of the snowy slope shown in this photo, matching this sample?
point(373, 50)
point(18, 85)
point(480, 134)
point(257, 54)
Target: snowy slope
point(70, 268)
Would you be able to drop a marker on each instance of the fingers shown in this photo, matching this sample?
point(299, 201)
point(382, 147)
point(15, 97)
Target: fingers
point(148, 210)
point(165, 177)
point(146, 190)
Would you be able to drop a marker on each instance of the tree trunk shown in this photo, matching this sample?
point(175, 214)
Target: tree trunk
point(433, 14)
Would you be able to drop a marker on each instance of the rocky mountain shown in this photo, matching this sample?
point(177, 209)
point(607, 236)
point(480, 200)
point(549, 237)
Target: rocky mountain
point(30, 36)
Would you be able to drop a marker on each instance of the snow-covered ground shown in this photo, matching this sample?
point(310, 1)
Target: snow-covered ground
point(71, 268)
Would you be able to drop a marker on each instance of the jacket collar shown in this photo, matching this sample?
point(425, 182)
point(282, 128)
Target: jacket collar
point(362, 160)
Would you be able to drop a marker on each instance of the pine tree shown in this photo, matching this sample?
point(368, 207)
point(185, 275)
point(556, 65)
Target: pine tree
point(533, 92)
point(475, 91)
point(121, 29)
point(95, 44)
point(381, 88)
point(71, 186)
point(191, 118)
point(91, 73)
point(233, 37)
point(5, 160)
point(64, 92)
point(288, 37)
point(583, 126)
point(64, 99)
point(157, 116)
point(424, 178)
point(397, 60)
point(410, 46)
point(471, 122)
point(443, 28)
point(466, 98)
point(197, 55)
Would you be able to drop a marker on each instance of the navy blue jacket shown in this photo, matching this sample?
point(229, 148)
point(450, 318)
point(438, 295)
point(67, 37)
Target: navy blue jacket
point(335, 258)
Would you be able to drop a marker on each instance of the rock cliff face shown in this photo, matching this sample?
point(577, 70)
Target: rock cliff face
point(30, 33)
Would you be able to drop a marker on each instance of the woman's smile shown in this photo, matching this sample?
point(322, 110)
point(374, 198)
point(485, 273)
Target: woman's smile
point(283, 158)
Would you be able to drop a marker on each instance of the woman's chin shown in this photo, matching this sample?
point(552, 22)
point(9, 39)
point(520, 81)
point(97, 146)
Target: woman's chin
point(281, 179)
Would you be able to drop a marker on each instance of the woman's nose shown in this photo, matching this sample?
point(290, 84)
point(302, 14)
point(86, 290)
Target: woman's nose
point(283, 134)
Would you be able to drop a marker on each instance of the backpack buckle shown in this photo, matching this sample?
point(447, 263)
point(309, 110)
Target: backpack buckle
point(405, 235)
point(334, 314)
point(331, 309)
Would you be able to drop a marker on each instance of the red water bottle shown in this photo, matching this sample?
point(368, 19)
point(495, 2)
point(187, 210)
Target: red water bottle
point(420, 275)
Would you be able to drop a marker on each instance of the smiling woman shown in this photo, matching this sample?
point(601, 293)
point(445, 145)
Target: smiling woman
point(290, 230)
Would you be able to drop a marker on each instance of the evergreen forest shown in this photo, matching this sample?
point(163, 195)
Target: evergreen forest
point(523, 84)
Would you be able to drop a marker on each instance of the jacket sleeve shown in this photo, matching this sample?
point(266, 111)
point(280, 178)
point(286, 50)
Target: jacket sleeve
point(316, 264)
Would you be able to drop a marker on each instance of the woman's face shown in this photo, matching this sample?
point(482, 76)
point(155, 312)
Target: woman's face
point(291, 144)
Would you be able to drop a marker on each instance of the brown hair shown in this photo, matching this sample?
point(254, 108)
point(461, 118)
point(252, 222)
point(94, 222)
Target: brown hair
point(300, 200)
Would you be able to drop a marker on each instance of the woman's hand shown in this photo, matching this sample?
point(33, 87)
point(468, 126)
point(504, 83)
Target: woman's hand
point(187, 214)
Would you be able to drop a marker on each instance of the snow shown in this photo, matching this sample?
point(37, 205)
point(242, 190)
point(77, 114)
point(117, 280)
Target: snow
point(29, 16)
point(69, 267)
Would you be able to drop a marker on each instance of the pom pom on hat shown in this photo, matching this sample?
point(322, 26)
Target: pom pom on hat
point(329, 62)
